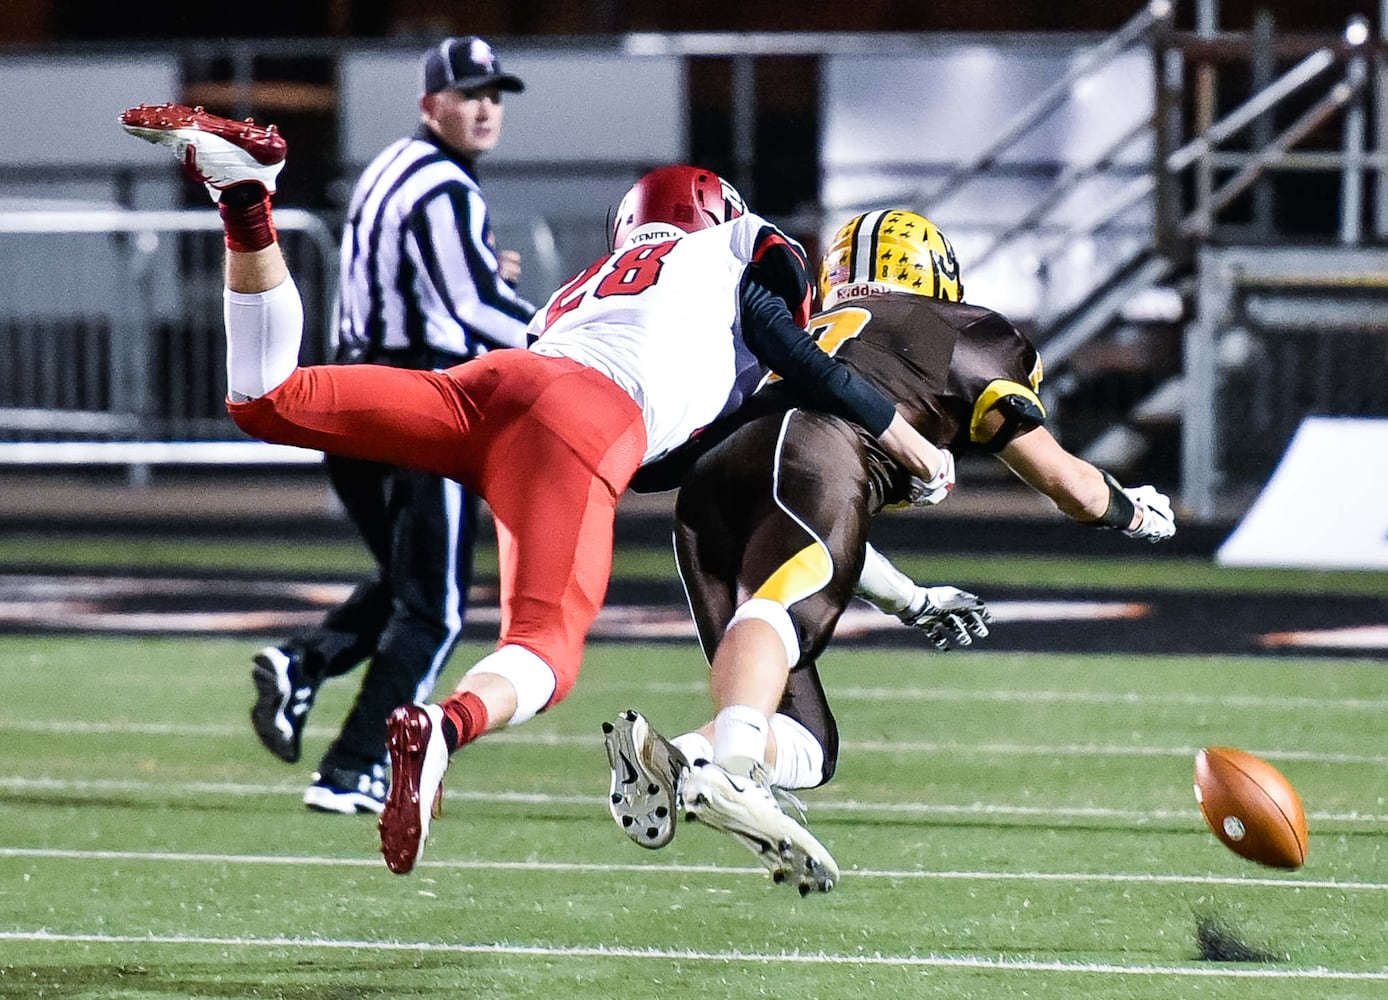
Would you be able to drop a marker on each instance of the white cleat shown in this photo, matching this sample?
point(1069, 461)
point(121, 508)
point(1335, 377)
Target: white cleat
point(219, 152)
point(647, 772)
point(745, 808)
point(418, 760)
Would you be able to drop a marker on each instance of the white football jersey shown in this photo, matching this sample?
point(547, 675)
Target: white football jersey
point(661, 319)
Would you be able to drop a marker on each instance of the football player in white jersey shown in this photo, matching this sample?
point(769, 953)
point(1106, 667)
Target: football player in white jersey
point(617, 315)
point(550, 437)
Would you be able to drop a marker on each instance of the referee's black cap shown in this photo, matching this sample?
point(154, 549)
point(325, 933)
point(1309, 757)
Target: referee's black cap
point(465, 64)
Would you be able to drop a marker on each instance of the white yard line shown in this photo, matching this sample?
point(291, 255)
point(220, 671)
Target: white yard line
point(1031, 696)
point(718, 957)
point(539, 737)
point(15, 783)
point(301, 861)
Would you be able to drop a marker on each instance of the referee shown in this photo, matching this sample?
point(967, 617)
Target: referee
point(421, 286)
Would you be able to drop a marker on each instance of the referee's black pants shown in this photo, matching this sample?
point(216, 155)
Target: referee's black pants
point(420, 529)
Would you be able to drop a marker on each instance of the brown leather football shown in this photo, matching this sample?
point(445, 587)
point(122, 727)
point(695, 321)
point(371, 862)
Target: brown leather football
point(1251, 807)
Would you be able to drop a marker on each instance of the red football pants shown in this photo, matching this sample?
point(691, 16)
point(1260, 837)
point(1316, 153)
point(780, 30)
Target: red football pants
point(549, 444)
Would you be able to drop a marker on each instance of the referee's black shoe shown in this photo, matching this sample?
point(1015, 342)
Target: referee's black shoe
point(345, 790)
point(283, 697)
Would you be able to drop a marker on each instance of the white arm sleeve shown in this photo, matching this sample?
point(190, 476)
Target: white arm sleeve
point(883, 585)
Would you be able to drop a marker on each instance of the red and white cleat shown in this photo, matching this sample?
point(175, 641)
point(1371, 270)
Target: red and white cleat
point(418, 759)
point(219, 152)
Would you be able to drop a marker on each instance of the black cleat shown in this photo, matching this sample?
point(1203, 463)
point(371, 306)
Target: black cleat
point(342, 790)
point(283, 697)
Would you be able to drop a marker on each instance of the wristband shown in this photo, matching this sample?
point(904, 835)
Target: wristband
point(1121, 509)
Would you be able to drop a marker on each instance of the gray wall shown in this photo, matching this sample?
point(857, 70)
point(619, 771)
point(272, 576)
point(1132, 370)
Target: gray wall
point(894, 126)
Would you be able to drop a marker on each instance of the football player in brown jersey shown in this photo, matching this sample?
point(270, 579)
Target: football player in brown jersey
point(772, 524)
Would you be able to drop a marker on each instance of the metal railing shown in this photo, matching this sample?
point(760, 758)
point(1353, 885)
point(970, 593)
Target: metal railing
point(1338, 67)
point(1250, 380)
point(1213, 169)
point(112, 335)
point(1181, 227)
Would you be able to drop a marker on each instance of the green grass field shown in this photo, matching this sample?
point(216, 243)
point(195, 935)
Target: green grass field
point(1007, 825)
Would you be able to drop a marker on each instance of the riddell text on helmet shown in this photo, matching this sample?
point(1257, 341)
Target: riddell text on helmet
point(863, 290)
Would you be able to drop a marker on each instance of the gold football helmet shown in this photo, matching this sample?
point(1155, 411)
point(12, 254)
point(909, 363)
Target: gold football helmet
point(889, 251)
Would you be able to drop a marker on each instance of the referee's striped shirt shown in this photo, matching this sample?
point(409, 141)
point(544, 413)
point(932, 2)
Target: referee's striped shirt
point(418, 285)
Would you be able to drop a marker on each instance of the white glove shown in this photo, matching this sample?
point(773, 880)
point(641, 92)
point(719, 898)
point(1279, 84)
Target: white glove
point(1155, 520)
point(947, 615)
point(929, 492)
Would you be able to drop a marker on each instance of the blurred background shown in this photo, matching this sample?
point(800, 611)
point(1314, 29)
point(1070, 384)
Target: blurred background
point(1184, 204)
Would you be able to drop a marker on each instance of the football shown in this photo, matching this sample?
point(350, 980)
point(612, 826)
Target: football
point(1251, 807)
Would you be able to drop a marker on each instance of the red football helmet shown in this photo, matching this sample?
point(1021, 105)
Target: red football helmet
point(687, 198)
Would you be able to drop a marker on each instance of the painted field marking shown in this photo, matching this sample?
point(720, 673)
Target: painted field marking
point(64, 602)
point(15, 783)
point(539, 737)
point(1031, 696)
point(604, 868)
point(719, 957)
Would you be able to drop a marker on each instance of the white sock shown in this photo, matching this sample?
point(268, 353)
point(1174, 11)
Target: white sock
point(799, 757)
point(694, 746)
point(264, 330)
point(741, 732)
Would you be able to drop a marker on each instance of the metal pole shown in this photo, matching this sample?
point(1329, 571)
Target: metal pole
point(1170, 126)
point(744, 124)
point(1199, 442)
point(1381, 124)
point(1263, 130)
point(243, 70)
point(1352, 173)
point(1206, 23)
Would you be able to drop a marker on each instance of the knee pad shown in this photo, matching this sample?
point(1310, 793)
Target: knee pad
point(531, 676)
point(775, 615)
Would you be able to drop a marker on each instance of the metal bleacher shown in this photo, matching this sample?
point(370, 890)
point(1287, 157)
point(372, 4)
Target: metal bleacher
point(1218, 248)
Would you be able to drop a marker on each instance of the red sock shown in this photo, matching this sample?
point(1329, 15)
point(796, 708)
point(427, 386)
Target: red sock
point(464, 719)
point(245, 211)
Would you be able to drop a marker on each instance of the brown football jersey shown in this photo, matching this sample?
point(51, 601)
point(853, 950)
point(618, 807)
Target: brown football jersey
point(945, 364)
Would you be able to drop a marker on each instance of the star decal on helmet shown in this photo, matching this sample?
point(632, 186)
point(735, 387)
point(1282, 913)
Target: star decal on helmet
point(890, 250)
